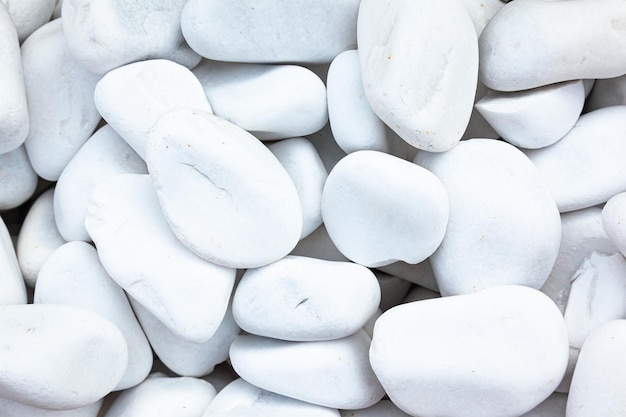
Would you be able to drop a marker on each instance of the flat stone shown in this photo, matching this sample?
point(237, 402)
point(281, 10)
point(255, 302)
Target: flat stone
point(437, 40)
point(73, 275)
point(105, 35)
point(19, 180)
point(10, 408)
point(270, 101)
point(60, 100)
point(29, 15)
point(266, 31)
point(306, 299)
point(585, 167)
point(529, 44)
point(12, 286)
point(133, 97)
point(103, 156)
point(239, 399)
point(222, 191)
point(613, 219)
point(59, 357)
point(504, 225)
point(332, 373)
point(139, 251)
point(408, 221)
point(436, 357)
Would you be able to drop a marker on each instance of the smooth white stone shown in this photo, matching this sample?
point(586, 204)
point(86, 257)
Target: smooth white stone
point(12, 286)
point(73, 275)
point(613, 218)
point(504, 226)
point(160, 395)
point(106, 35)
point(138, 249)
point(392, 289)
point(266, 31)
point(38, 237)
point(318, 245)
point(482, 11)
point(553, 406)
point(331, 373)
point(418, 293)
point(58, 357)
point(305, 167)
point(327, 147)
point(537, 117)
point(181, 356)
point(60, 100)
point(581, 233)
point(269, 101)
point(407, 221)
point(241, 399)
point(435, 39)
point(420, 274)
point(19, 180)
point(528, 44)
point(384, 408)
point(306, 299)
point(222, 191)
point(585, 167)
point(13, 106)
point(436, 357)
point(29, 15)
point(600, 375)
point(354, 124)
point(607, 92)
point(10, 408)
point(103, 156)
point(133, 97)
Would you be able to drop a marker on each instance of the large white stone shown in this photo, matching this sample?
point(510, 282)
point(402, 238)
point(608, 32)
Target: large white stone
point(19, 180)
point(58, 357)
point(600, 375)
point(379, 209)
point(106, 35)
point(331, 373)
point(270, 31)
point(103, 156)
point(222, 191)
point(306, 299)
point(241, 399)
point(132, 98)
point(269, 101)
point(10, 408)
point(59, 91)
point(419, 63)
point(13, 106)
point(613, 218)
point(537, 117)
point(496, 353)
point(140, 252)
point(528, 44)
point(12, 286)
point(586, 168)
point(73, 275)
point(504, 226)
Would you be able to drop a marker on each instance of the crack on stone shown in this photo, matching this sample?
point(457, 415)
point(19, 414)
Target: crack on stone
point(301, 302)
point(193, 166)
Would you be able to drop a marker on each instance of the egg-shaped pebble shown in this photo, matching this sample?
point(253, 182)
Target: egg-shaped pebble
point(269, 101)
point(528, 44)
point(29, 15)
point(181, 356)
point(240, 398)
point(140, 252)
point(73, 275)
point(437, 357)
point(537, 117)
point(105, 35)
point(58, 357)
point(419, 64)
point(379, 209)
point(600, 376)
point(132, 98)
point(60, 100)
point(585, 167)
point(305, 299)
point(613, 217)
point(268, 31)
point(11, 408)
point(382, 408)
point(504, 225)
point(13, 106)
point(331, 373)
point(160, 395)
point(103, 156)
point(305, 167)
point(12, 286)
point(222, 191)
point(18, 179)
point(38, 237)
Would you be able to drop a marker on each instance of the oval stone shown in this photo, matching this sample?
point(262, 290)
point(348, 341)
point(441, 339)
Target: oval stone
point(19, 180)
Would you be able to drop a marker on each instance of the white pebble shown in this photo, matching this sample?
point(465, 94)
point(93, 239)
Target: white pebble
point(19, 180)
point(12, 286)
